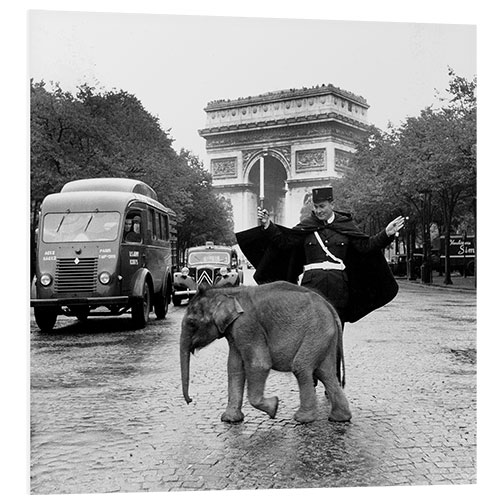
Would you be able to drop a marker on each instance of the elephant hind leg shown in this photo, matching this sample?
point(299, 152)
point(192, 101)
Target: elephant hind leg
point(307, 411)
point(326, 373)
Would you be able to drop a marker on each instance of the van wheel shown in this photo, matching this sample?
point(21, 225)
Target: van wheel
point(142, 307)
point(176, 300)
point(45, 318)
point(161, 304)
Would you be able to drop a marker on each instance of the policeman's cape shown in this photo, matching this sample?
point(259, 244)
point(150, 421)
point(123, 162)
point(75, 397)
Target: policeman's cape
point(371, 282)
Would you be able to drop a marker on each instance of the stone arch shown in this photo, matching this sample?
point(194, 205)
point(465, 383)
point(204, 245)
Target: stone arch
point(306, 136)
point(275, 183)
point(282, 156)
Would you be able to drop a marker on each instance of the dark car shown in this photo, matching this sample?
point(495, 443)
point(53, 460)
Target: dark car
point(212, 265)
point(398, 264)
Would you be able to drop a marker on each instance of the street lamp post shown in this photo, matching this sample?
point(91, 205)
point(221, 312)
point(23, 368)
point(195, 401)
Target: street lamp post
point(426, 269)
point(261, 182)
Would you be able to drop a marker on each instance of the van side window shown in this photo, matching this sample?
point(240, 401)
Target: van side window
point(164, 227)
point(156, 226)
point(133, 233)
point(151, 224)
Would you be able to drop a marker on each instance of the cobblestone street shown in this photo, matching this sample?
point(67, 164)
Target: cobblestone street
point(107, 412)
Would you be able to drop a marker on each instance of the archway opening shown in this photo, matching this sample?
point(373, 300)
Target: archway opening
point(274, 186)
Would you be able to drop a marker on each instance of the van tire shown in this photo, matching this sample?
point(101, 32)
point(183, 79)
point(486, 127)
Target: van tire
point(141, 307)
point(45, 318)
point(176, 300)
point(160, 303)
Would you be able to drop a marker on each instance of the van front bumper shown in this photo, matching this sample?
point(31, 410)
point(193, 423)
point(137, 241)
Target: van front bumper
point(79, 301)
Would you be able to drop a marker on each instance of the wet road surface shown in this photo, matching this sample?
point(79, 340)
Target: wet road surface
point(107, 412)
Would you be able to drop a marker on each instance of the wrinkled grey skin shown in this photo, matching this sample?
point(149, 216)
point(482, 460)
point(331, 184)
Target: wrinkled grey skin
point(276, 326)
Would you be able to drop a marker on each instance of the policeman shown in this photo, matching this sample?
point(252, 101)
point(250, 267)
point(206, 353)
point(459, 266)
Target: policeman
point(330, 249)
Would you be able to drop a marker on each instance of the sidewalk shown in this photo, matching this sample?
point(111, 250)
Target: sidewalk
point(459, 283)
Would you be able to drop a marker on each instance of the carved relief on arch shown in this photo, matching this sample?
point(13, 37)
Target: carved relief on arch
point(224, 167)
point(310, 159)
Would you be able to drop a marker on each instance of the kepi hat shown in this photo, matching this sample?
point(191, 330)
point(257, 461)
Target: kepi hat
point(322, 194)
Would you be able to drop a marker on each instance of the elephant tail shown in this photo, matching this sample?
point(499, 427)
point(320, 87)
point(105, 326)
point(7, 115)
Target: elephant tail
point(340, 351)
point(341, 369)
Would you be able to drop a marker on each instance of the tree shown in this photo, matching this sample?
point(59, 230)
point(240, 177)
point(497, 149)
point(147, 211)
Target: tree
point(425, 169)
point(368, 189)
point(439, 146)
point(205, 216)
point(110, 134)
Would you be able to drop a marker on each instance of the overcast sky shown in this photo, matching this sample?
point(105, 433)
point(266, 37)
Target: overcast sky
point(176, 64)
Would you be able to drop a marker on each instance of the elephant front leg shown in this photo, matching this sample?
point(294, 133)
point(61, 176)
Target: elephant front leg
point(236, 385)
point(257, 366)
point(257, 377)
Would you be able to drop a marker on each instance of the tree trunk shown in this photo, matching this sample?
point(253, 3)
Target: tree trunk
point(447, 270)
point(448, 206)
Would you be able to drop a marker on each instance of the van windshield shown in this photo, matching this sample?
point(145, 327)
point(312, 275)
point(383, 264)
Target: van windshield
point(80, 226)
point(208, 258)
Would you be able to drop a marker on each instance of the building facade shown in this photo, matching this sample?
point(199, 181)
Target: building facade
point(272, 149)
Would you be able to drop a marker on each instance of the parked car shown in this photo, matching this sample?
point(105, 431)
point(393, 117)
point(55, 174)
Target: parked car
point(398, 264)
point(211, 265)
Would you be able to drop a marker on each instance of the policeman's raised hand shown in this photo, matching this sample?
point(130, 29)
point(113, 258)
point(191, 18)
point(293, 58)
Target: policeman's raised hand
point(263, 216)
point(395, 226)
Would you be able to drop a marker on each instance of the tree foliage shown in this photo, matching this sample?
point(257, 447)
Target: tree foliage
point(110, 134)
point(430, 157)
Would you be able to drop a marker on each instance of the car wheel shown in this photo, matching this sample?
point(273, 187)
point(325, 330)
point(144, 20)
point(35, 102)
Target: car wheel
point(45, 318)
point(142, 307)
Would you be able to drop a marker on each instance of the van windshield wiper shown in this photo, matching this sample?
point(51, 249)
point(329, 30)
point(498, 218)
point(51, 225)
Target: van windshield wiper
point(62, 220)
point(90, 220)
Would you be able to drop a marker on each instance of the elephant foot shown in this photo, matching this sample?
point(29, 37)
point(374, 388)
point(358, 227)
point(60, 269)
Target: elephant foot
point(340, 415)
point(304, 417)
point(271, 407)
point(232, 416)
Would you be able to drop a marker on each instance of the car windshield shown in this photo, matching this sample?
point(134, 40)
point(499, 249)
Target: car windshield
point(80, 226)
point(208, 258)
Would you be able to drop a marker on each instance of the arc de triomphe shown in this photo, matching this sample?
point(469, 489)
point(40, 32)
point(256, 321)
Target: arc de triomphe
point(287, 141)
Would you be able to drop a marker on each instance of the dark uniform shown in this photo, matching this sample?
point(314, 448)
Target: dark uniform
point(322, 272)
point(355, 278)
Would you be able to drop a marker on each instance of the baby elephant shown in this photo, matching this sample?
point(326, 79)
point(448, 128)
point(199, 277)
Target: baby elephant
point(277, 326)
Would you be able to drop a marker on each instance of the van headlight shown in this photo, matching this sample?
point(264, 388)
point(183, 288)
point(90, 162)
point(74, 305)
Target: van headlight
point(45, 279)
point(105, 278)
point(184, 271)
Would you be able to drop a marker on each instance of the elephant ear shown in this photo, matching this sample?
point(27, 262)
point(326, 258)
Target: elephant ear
point(226, 311)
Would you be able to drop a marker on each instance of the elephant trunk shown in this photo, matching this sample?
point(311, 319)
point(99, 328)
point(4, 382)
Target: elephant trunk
point(185, 359)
